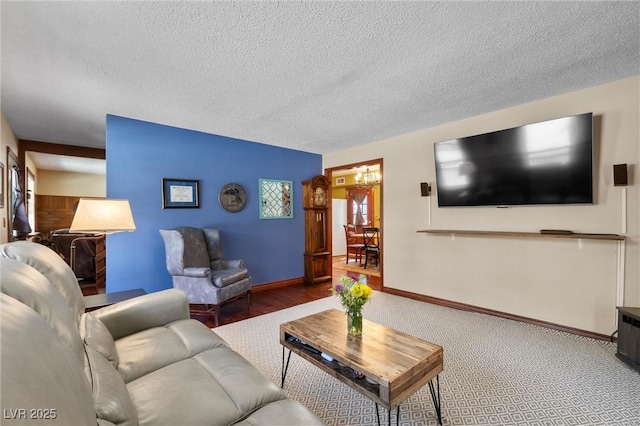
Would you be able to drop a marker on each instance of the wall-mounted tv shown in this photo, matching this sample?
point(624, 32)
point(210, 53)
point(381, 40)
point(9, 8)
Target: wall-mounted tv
point(550, 162)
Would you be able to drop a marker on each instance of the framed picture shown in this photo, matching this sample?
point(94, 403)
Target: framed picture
point(276, 199)
point(1, 185)
point(180, 193)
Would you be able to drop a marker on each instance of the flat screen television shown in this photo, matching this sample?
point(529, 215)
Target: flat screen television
point(550, 162)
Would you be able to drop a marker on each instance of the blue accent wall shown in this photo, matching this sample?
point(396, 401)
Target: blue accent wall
point(140, 154)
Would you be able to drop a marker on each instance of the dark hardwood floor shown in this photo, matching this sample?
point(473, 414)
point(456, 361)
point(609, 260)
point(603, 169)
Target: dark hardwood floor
point(266, 301)
point(271, 300)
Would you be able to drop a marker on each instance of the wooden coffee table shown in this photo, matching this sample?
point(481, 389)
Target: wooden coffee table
point(395, 365)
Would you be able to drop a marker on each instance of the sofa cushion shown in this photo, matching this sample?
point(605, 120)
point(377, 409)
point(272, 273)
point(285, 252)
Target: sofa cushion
point(25, 284)
point(244, 384)
point(216, 387)
point(39, 371)
point(49, 264)
point(97, 336)
point(110, 395)
point(149, 350)
point(271, 414)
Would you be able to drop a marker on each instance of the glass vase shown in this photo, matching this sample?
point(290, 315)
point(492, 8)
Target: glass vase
point(354, 322)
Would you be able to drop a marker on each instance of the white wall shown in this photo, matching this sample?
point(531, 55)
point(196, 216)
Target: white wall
point(547, 279)
point(338, 220)
point(71, 184)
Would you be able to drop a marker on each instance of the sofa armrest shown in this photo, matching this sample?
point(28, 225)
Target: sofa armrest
point(197, 272)
point(144, 312)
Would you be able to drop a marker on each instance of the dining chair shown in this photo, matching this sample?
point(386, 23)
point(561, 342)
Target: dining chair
point(355, 245)
point(371, 245)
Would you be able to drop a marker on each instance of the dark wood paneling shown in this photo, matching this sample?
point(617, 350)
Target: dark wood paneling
point(54, 212)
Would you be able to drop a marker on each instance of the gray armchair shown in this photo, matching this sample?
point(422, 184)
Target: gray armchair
point(197, 266)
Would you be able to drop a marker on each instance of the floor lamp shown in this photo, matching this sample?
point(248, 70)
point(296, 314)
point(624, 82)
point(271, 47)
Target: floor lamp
point(100, 217)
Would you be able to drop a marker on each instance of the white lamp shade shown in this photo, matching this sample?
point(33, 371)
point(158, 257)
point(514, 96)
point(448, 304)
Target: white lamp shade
point(103, 216)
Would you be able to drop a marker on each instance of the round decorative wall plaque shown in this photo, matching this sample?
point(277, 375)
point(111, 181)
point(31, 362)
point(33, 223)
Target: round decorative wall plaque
point(232, 197)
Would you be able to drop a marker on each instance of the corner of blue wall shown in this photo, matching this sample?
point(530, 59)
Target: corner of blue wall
point(140, 154)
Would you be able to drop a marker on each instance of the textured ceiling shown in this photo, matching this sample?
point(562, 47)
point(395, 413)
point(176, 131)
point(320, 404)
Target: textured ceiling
point(314, 76)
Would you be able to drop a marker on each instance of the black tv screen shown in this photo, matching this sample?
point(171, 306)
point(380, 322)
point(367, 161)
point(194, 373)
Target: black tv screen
point(550, 162)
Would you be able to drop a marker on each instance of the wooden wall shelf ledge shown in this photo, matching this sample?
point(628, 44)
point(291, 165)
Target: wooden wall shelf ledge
point(576, 235)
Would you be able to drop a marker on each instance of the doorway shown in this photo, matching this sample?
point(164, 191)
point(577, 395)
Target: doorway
point(358, 204)
point(53, 208)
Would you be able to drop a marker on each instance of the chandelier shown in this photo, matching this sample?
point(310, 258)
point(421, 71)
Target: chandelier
point(368, 179)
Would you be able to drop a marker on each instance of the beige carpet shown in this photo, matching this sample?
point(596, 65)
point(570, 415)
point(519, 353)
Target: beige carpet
point(496, 371)
point(339, 262)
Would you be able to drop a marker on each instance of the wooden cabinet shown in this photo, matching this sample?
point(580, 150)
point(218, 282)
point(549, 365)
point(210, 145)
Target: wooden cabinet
point(316, 194)
point(629, 336)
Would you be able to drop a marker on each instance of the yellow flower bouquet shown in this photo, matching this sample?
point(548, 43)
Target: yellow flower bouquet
point(353, 295)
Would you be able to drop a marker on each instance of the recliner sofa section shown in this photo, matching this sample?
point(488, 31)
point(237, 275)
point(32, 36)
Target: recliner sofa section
point(138, 362)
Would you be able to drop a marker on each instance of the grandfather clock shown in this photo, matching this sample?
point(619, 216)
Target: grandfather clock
point(317, 255)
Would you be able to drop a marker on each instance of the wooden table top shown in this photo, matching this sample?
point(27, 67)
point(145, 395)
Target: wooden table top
point(400, 363)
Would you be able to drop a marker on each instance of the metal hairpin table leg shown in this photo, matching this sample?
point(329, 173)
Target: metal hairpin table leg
point(284, 368)
point(436, 401)
point(388, 415)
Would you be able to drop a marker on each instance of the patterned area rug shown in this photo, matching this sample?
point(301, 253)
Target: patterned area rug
point(496, 371)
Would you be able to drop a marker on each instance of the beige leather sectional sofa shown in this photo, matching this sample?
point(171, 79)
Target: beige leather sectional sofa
point(138, 362)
